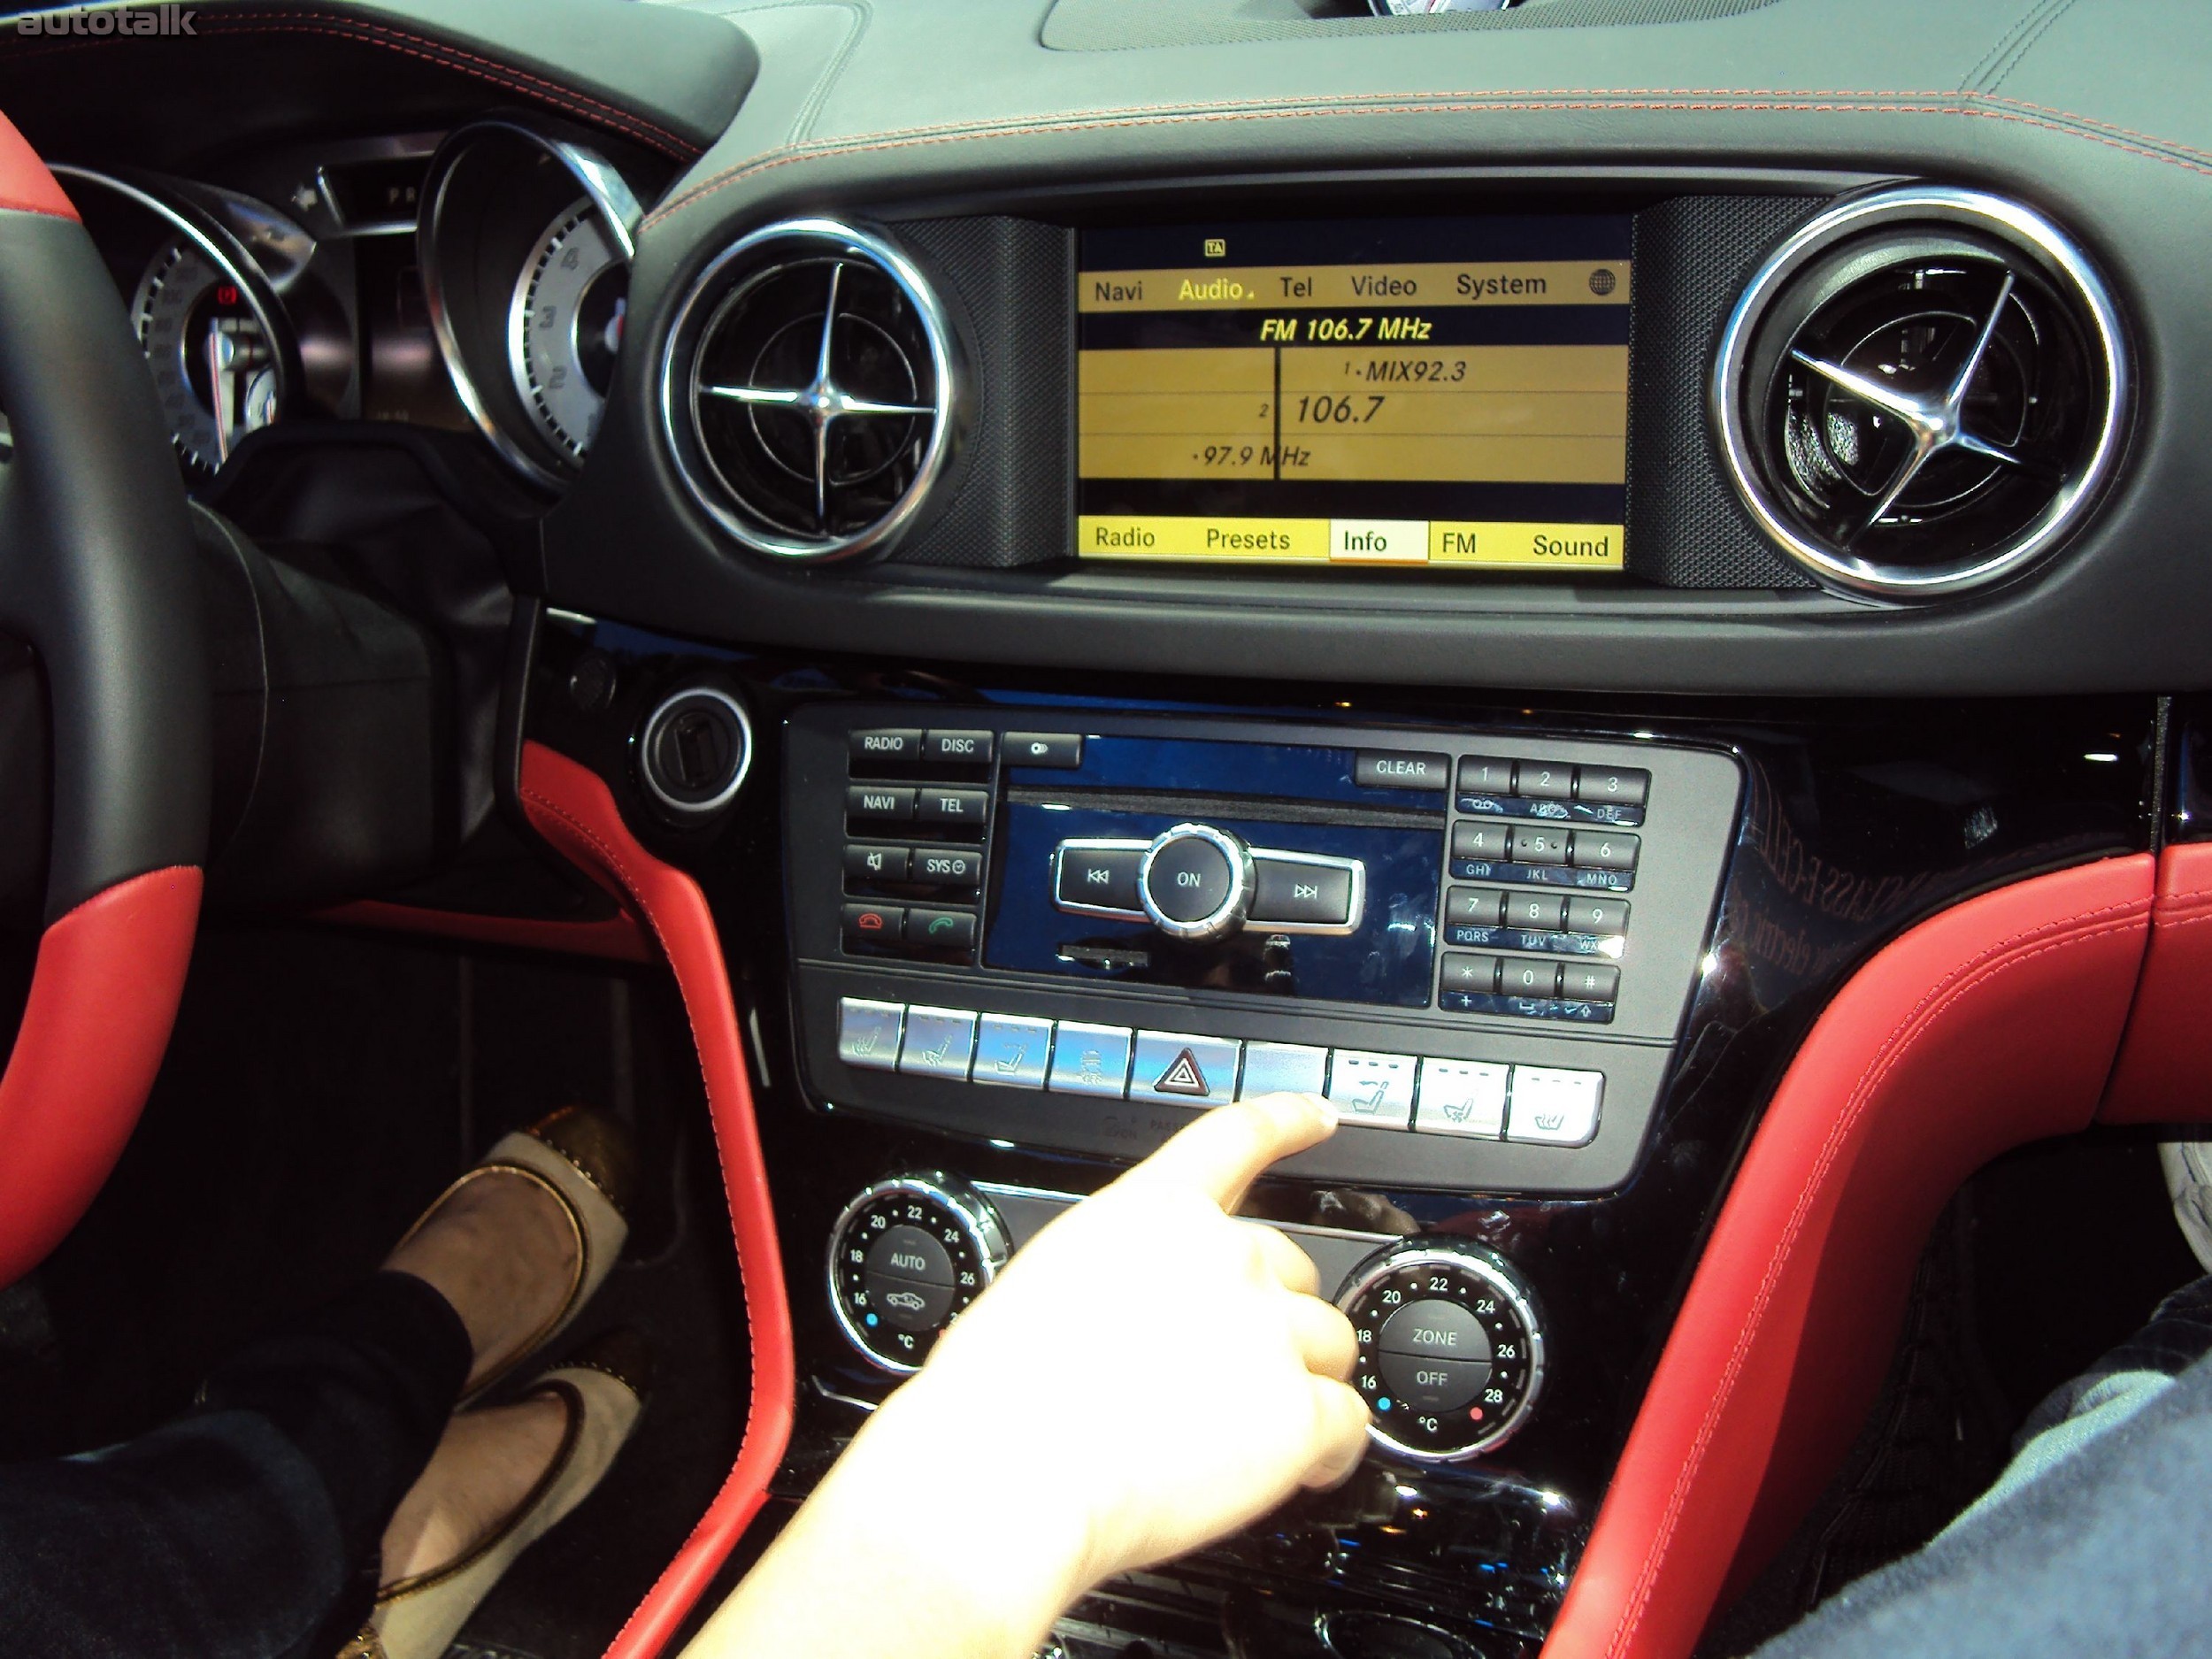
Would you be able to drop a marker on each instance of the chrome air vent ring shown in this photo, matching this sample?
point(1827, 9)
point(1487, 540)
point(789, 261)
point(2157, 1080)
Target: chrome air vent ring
point(808, 391)
point(1922, 392)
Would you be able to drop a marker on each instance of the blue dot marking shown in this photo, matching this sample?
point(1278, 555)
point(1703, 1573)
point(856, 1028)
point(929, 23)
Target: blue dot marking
point(1383, 1404)
point(872, 1318)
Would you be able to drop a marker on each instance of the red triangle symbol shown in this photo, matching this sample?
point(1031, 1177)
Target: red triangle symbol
point(1183, 1078)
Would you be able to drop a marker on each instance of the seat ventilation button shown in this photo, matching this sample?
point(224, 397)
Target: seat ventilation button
point(806, 391)
point(1922, 392)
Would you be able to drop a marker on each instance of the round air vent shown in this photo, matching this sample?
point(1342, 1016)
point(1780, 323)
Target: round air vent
point(806, 391)
point(1922, 391)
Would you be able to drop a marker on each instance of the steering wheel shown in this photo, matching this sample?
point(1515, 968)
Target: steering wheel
point(96, 576)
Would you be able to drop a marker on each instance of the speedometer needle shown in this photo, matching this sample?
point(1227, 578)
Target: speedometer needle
point(222, 353)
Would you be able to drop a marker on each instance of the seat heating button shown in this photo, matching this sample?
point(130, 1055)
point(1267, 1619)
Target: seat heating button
point(1091, 1060)
point(1604, 849)
point(1011, 1052)
point(1373, 1090)
point(1288, 1067)
point(1553, 1107)
point(1431, 1385)
point(868, 1032)
point(939, 1041)
point(1435, 1328)
point(1461, 1097)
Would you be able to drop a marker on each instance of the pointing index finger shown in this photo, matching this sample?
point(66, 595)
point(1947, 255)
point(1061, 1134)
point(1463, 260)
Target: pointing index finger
point(1224, 1151)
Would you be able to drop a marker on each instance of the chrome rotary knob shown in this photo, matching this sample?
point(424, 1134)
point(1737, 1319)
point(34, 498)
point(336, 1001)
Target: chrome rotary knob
point(1197, 882)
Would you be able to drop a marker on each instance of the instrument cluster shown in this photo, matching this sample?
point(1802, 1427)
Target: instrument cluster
point(477, 278)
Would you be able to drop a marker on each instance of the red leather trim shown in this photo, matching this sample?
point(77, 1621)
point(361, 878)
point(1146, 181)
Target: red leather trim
point(573, 809)
point(618, 937)
point(2164, 1072)
point(103, 998)
point(25, 184)
point(1991, 1024)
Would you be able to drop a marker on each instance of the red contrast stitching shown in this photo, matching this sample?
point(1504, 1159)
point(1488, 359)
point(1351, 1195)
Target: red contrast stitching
point(1966, 104)
point(1908, 1030)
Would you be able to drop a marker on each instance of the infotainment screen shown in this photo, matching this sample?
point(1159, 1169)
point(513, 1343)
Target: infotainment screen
point(1450, 393)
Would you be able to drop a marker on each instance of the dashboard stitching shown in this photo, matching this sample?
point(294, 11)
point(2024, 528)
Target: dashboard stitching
point(2021, 53)
point(430, 51)
point(1991, 962)
point(2004, 45)
point(2064, 122)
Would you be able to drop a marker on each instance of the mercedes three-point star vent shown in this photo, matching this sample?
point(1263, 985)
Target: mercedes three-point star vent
point(806, 391)
point(1922, 392)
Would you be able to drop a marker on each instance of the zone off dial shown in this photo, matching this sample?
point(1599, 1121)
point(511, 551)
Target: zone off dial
point(906, 1257)
point(1451, 1347)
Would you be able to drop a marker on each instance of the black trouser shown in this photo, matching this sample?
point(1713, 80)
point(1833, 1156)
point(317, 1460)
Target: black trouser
point(248, 1528)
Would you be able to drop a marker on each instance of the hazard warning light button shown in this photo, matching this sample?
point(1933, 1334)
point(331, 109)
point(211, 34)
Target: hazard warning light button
point(1174, 1066)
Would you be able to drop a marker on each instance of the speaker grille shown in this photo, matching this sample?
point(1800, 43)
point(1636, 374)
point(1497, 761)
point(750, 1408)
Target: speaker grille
point(1921, 392)
point(808, 391)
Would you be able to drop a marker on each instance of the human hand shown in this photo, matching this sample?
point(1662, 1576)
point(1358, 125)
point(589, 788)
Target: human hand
point(1149, 1371)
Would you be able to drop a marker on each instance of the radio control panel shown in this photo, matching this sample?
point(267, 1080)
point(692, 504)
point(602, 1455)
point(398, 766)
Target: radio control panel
point(1074, 930)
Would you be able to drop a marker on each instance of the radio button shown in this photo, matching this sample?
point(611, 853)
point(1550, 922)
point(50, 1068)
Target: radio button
point(1604, 849)
point(1090, 1060)
point(1461, 1097)
point(957, 749)
point(868, 1032)
point(1540, 912)
point(1613, 786)
point(1482, 775)
point(1400, 769)
point(1373, 1090)
point(1474, 907)
point(884, 804)
point(1283, 1067)
point(1539, 844)
point(1198, 1071)
point(1470, 975)
point(941, 930)
point(876, 750)
point(948, 866)
point(1060, 749)
point(1317, 895)
point(874, 925)
point(1597, 916)
point(956, 808)
point(1545, 780)
point(1589, 981)
point(1012, 1052)
point(1098, 878)
point(876, 864)
point(1524, 976)
point(1552, 1107)
point(1486, 841)
point(939, 1042)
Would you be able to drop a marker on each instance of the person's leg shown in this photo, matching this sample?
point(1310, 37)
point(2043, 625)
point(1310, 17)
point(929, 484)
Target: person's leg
point(253, 1527)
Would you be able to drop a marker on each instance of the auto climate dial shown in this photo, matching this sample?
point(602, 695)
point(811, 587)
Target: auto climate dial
point(1451, 1347)
point(905, 1258)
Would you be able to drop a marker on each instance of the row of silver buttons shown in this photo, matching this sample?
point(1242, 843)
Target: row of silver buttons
point(1543, 1104)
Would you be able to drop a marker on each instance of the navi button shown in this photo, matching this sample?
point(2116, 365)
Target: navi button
point(886, 805)
point(1197, 1070)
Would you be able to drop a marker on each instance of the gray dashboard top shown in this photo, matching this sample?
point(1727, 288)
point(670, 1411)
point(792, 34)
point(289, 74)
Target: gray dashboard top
point(2094, 110)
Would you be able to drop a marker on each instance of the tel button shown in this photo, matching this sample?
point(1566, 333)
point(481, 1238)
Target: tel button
point(966, 808)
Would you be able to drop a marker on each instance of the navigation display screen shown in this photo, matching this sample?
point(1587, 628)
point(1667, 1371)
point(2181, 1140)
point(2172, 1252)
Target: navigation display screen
point(1447, 393)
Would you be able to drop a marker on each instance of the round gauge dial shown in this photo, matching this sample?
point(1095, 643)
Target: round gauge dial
point(564, 326)
point(906, 1257)
point(213, 364)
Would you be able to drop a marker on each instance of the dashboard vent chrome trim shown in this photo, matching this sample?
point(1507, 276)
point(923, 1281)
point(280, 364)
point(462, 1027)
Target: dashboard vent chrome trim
point(808, 391)
point(1922, 392)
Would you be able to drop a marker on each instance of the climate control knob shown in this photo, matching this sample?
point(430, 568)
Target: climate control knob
point(1451, 1347)
point(906, 1258)
point(1196, 881)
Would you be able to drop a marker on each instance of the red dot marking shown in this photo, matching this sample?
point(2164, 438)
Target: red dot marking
point(1476, 1413)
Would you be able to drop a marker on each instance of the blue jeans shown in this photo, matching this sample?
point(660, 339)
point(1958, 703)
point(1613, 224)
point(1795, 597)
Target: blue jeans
point(249, 1527)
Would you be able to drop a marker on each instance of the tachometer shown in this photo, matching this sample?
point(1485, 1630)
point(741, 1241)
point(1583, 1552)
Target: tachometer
point(213, 364)
point(565, 326)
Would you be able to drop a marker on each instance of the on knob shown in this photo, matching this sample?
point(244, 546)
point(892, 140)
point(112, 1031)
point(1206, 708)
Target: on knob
point(906, 1258)
point(1197, 882)
point(694, 751)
